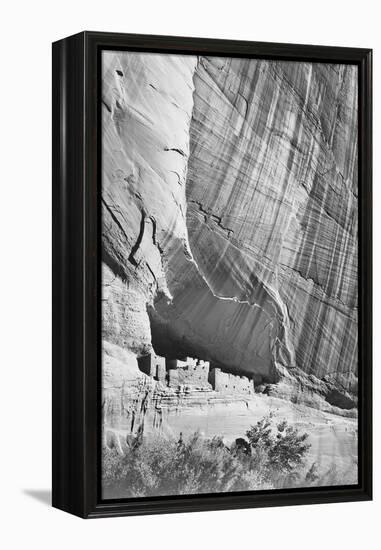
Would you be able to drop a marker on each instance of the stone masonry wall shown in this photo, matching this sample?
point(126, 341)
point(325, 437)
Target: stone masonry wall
point(194, 374)
point(230, 383)
point(154, 366)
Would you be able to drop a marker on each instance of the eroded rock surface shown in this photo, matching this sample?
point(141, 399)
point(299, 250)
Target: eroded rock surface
point(229, 211)
point(272, 218)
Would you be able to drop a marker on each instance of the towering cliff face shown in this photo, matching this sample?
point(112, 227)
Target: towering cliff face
point(272, 204)
point(147, 108)
point(230, 213)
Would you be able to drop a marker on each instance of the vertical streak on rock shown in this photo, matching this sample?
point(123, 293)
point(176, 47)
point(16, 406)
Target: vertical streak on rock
point(257, 264)
point(280, 172)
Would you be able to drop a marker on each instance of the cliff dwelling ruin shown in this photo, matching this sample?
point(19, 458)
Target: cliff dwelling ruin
point(194, 373)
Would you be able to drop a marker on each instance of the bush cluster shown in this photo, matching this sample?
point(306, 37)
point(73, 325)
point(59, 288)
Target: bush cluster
point(271, 456)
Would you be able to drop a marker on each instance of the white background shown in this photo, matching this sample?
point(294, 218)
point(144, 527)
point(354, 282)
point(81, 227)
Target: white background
point(28, 28)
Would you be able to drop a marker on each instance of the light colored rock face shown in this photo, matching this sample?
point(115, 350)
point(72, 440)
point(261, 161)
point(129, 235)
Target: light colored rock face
point(147, 108)
point(272, 218)
point(230, 212)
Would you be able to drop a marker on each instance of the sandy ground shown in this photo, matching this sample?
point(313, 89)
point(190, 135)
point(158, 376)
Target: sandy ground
point(333, 438)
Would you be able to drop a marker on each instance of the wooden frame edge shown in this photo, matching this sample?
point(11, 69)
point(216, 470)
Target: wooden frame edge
point(75, 275)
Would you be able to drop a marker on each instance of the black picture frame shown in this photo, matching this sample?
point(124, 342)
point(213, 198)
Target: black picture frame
point(76, 274)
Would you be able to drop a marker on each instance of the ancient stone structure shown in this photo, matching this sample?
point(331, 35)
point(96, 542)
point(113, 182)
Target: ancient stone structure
point(181, 363)
point(194, 373)
point(153, 365)
point(230, 383)
point(190, 372)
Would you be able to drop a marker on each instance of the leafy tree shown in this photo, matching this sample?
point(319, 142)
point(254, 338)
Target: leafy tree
point(284, 445)
point(260, 435)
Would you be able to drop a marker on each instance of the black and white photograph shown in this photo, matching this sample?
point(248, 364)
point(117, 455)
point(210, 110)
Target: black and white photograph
point(229, 278)
point(189, 237)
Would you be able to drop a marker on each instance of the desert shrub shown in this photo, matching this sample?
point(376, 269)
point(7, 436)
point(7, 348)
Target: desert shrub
point(260, 435)
point(196, 465)
point(334, 475)
point(165, 467)
point(289, 448)
point(312, 474)
point(281, 449)
point(112, 467)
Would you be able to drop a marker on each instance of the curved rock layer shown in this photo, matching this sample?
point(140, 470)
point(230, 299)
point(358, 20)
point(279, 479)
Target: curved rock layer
point(230, 212)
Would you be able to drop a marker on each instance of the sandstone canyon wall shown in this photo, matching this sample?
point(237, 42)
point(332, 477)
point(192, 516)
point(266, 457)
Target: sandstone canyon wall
point(229, 235)
point(272, 210)
point(229, 210)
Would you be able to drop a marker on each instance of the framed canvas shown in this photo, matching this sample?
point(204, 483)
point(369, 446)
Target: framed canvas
point(211, 274)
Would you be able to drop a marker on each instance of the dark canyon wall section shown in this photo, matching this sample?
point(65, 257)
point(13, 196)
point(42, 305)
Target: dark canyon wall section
point(230, 213)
